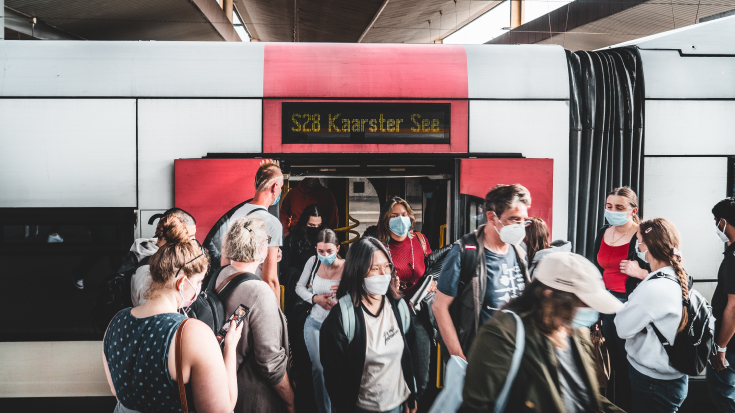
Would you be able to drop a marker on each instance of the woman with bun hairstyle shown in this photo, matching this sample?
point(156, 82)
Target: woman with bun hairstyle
point(615, 256)
point(141, 350)
point(656, 304)
point(372, 371)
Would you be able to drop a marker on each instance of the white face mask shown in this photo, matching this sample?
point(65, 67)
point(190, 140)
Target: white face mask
point(641, 254)
point(511, 234)
point(378, 284)
point(721, 233)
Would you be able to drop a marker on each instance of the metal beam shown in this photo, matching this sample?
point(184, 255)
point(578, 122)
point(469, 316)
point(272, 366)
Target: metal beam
point(372, 22)
point(517, 13)
point(227, 7)
point(2, 19)
point(21, 23)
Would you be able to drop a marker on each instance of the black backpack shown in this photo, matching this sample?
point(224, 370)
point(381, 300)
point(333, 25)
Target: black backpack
point(115, 292)
point(208, 307)
point(692, 345)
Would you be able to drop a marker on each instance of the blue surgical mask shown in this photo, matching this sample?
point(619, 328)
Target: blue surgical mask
point(641, 254)
point(616, 218)
point(399, 225)
point(585, 317)
point(327, 260)
point(278, 198)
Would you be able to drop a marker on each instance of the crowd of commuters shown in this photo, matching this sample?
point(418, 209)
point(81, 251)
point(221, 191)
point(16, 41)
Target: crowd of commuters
point(354, 324)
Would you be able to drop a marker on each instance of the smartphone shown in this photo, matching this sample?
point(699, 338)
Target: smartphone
point(240, 313)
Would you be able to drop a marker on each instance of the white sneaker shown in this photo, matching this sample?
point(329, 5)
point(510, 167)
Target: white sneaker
point(54, 238)
point(79, 284)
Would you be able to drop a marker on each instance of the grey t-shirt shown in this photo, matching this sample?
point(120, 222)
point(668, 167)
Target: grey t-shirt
point(574, 391)
point(273, 226)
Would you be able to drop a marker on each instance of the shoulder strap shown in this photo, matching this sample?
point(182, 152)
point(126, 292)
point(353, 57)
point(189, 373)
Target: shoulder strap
point(405, 315)
point(314, 269)
point(179, 368)
point(233, 282)
point(252, 211)
point(422, 241)
point(515, 364)
point(468, 257)
point(348, 317)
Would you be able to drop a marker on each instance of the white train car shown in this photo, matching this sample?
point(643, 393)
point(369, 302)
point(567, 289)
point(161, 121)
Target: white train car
point(97, 137)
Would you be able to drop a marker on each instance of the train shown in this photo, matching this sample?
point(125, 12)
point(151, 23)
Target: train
point(97, 137)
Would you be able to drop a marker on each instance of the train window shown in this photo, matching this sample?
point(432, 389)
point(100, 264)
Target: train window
point(415, 198)
point(44, 252)
point(364, 205)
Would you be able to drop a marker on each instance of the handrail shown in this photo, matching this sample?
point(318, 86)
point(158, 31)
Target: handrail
point(349, 230)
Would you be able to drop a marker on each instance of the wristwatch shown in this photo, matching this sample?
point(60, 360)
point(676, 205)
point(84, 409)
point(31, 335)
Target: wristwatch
point(719, 349)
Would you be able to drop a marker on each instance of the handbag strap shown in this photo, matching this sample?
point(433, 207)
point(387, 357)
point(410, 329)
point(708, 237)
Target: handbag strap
point(422, 241)
point(179, 373)
point(515, 364)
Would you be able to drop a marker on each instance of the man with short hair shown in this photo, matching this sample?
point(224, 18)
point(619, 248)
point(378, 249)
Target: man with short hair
point(720, 371)
point(469, 294)
point(268, 184)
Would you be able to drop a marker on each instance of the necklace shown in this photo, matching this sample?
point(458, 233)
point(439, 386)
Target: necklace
point(333, 273)
point(621, 237)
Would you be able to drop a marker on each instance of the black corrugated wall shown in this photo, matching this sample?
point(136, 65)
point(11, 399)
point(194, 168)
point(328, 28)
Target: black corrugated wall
point(605, 135)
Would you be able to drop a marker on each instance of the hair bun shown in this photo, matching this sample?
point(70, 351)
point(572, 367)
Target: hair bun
point(173, 230)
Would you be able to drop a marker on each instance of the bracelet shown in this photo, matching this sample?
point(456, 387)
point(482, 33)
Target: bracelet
point(720, 349)
point(312, 299)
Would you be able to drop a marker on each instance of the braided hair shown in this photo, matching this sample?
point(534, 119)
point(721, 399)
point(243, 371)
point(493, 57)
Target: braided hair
point(662, 239)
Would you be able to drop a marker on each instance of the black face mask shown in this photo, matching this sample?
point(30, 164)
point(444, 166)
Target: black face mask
point(312, 232)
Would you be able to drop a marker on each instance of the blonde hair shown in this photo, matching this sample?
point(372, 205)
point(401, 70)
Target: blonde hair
point(244, 238)
point(267, 172)
point(177, 254)
point(662, 239)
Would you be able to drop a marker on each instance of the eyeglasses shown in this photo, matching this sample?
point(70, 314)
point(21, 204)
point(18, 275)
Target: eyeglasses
point(521, 221)
point(192, 260)
point(385, 269)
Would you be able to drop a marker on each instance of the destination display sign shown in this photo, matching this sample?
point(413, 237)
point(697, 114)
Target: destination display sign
point(366, 122)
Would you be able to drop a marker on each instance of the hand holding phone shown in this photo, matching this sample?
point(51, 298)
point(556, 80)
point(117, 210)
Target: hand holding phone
point(238, 316)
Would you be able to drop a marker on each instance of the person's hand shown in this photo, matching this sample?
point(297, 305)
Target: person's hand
point(334, 288)
point(432, 287)
point(409, 409)
point(632, 269)
point(324, 300)
point(718, 361)
point(233, 335)
point(280, 255)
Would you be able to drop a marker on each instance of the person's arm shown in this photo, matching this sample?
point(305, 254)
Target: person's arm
point(631, 268)
point(270, 356)
point(488, 366)
point(333, 354)
point(446, 325)
point(212, 374)
point(727, 329)
point(107, 374)
point(270, 272)
point(301, 287)
point(632, 318)
point(447, 286)
point(285, 392)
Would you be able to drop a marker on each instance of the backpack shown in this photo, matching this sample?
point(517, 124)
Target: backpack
point(213, 240)
point(692, 345)
point(115, 293)
point(346, 308)
point(208, 307)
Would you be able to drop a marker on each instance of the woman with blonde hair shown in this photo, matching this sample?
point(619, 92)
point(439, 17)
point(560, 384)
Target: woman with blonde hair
point(655, 306)
point(151, 352)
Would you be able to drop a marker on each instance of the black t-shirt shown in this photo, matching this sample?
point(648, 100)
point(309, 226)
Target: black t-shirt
point(725, 286)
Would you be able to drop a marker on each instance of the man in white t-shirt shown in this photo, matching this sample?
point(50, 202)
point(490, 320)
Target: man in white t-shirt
point(268, 184)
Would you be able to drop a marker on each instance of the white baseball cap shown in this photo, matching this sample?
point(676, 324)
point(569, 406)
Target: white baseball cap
point(566, 271)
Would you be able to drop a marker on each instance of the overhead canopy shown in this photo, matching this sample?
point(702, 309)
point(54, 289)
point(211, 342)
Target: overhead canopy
point(132, 19)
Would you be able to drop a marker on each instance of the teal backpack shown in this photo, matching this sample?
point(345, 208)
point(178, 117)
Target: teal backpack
point(348, 316)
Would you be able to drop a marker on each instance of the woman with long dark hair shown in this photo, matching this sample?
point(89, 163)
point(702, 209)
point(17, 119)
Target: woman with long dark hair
point(656, 304)
point(537, 243)
point(365, 340)
point(300, 244)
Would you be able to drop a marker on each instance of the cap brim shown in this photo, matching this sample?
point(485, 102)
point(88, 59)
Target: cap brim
point(601, 301)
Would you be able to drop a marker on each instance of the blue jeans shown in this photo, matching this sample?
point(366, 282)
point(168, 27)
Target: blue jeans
point(311, 337)
point(651, 395)
point(721, 385)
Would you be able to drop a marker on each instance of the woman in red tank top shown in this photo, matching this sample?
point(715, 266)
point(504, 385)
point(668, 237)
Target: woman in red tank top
point(615, 257)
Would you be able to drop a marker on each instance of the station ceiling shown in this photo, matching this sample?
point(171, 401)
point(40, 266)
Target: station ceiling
point(131, 19)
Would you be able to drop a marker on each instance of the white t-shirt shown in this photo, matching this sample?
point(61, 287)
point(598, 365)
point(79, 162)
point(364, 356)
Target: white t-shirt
point(273, 226)
point(383, 386)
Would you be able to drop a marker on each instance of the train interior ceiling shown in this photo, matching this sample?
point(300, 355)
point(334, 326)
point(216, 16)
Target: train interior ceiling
point(360, 190)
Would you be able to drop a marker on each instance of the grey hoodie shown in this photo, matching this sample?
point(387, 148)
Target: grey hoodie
point(141, 280)
point(556, 246)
